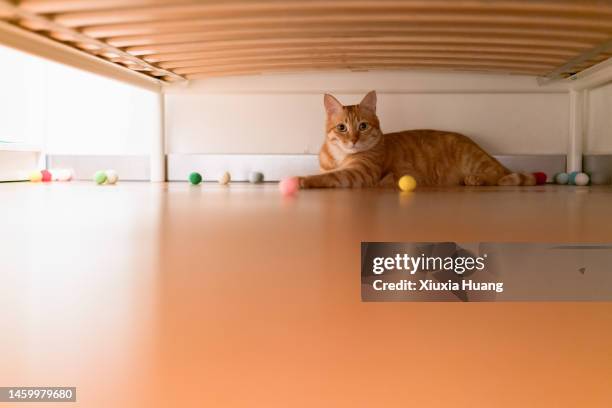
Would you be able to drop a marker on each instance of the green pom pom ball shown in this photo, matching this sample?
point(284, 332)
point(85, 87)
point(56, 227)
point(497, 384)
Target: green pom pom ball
point(195, 178)
point(572, 177)
point(256, 177)
point(561, 178)
point(99, 177)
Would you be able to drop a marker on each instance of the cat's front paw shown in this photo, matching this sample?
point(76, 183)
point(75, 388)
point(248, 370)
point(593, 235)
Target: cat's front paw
point(473, 180)
point(302, 182)
point(309, 182)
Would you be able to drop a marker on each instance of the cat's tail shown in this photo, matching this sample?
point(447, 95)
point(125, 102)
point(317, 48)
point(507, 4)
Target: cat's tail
point(517, 179)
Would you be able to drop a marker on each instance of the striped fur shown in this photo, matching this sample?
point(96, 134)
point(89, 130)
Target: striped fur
point(357, 154)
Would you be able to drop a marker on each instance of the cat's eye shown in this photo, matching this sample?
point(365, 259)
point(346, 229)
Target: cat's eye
point(341, 127)
point(363, 126)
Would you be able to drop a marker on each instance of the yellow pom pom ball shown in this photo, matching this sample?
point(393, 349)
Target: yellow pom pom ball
point(35, 176)
point(407, 183)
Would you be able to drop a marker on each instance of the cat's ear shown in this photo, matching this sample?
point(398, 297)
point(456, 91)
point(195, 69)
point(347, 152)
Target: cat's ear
point(369, 102)
point(332, 105)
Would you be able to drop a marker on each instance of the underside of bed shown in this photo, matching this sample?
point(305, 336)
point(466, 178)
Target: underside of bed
point(189, 39)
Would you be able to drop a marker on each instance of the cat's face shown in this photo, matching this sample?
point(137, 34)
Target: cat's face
point(353, 128)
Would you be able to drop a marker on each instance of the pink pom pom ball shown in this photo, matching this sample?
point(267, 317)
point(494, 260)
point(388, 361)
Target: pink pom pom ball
point(289, 186)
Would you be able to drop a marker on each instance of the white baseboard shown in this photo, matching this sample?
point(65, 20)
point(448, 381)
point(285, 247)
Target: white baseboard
point(84, 166)
point(273, 166)
point(277, 166)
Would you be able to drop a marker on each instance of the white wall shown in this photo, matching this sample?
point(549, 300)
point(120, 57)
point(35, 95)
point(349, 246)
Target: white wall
point(21, 98)
point(284, 113)
point(63, 110)
point(599, 128)
point(90, 114)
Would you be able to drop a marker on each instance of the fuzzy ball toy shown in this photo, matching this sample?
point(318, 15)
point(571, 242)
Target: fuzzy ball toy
point(256, 177)
point(225, 178)
point(99, 177)
point(111, 176)
point(540, 177)
point(195, 178)
point(35, 176)
point(289, 186)
point(581, 179)
point(46, 175)
point(561, 178)
point(407, 183)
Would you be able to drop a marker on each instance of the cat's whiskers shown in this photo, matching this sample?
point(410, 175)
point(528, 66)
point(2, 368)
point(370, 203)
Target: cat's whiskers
point(362, 145)
point(348, 149)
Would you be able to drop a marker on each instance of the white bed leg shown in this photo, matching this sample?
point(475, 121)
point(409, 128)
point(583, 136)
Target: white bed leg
point(576, 129)
point(158, 155)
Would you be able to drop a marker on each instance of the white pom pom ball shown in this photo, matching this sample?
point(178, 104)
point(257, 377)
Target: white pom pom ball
point(225, 178)
point(582, 179)
point(64, 175)
point(111, 176)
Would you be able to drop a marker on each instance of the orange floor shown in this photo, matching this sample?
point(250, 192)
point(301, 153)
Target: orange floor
point(169, 295)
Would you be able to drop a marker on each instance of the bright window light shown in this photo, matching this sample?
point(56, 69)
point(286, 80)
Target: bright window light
point(64, 110)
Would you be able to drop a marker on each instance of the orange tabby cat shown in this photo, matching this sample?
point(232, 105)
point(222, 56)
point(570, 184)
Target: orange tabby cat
point(357, 154)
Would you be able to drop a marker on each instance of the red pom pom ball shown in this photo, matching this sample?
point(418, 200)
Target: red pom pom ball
point(46, 175)
point(540, 177)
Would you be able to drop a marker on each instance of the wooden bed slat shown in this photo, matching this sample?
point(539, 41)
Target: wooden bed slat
point(522, 9)
point(588, 31)
point(358, 68)
point(84, 41)
point(368, 61)
point(440, 40)
point(351, 31)
point(371, 46)
point(562, 6)
point(63, 6)
point(397, 16)
point(259, 56)
point(434, 21)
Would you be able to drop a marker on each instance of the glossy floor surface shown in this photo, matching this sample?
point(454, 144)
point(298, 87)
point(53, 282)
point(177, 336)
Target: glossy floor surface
point(170, 295)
